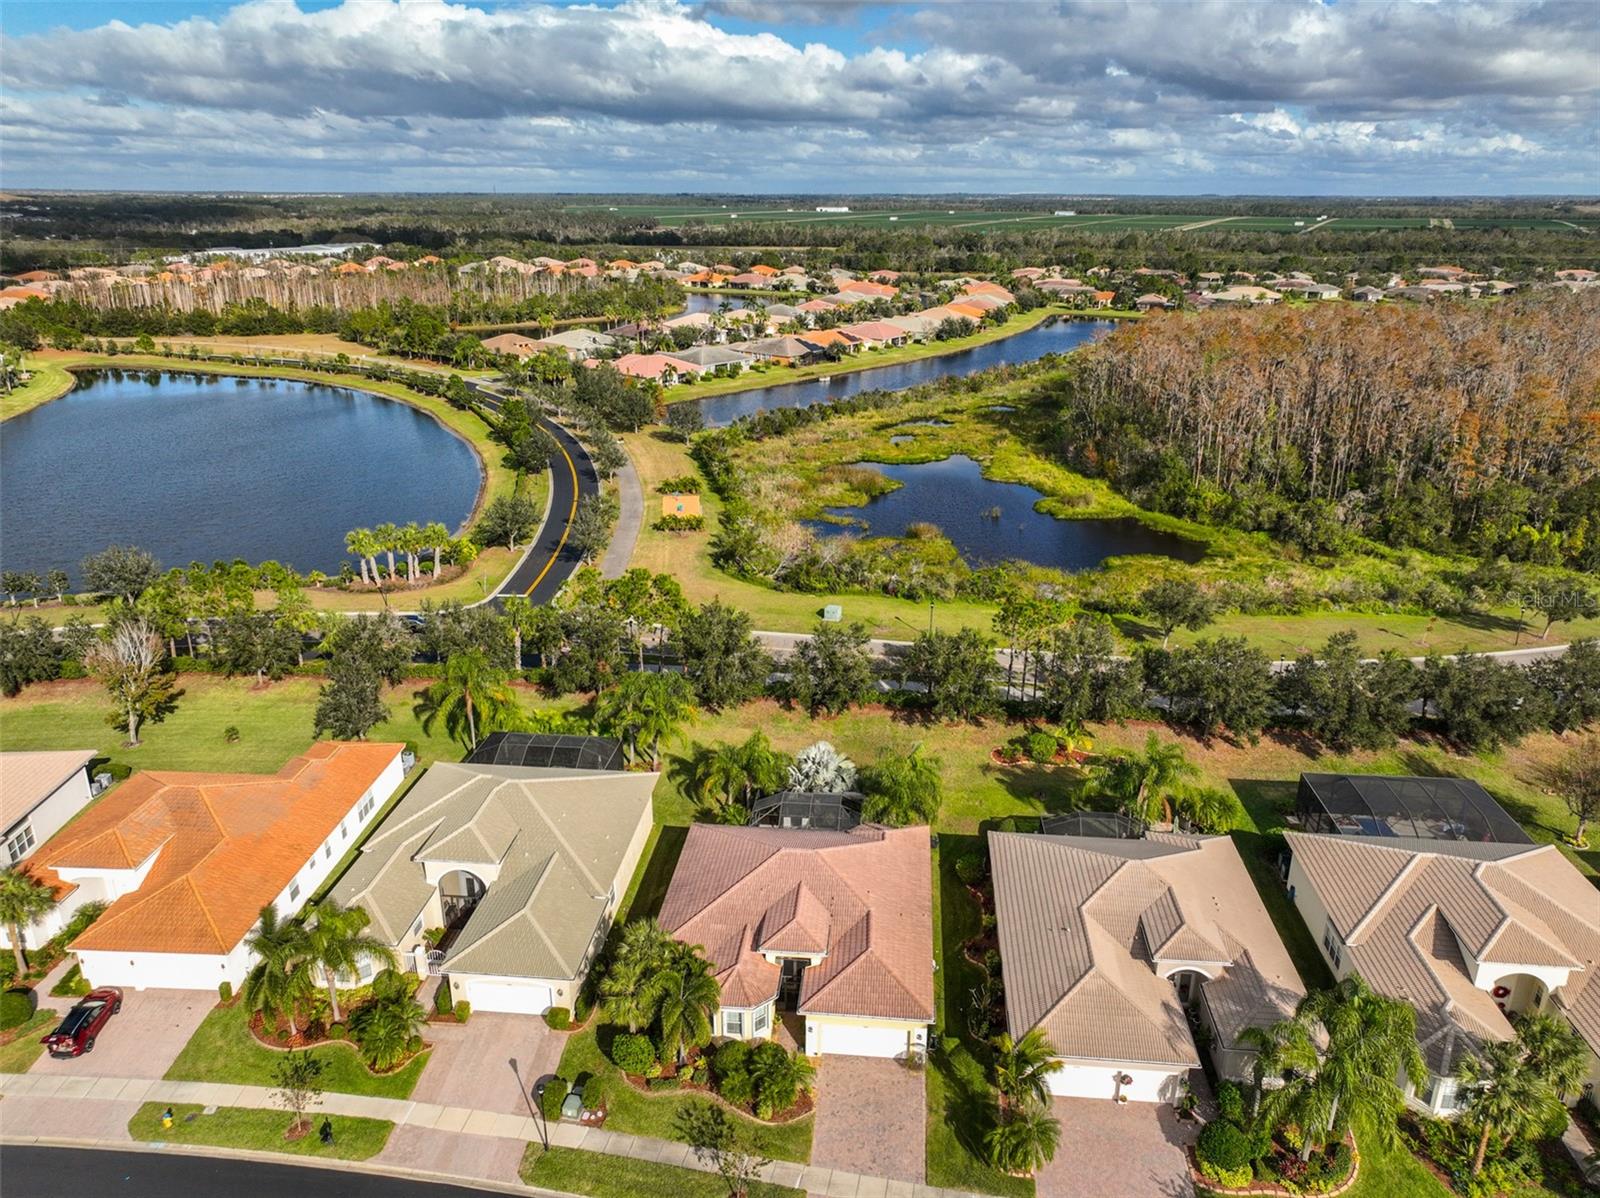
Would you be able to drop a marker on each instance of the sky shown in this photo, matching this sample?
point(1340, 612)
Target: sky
point(1262, 97)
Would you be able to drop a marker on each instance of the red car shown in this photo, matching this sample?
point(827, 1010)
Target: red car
point(83, 1023)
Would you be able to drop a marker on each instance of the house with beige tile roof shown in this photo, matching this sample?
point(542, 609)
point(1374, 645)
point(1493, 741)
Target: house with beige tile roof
point(1107, 946)
point(1469, 933)
point(39, 792)
point(523, 866)
point(186, 861)
point(833, 928)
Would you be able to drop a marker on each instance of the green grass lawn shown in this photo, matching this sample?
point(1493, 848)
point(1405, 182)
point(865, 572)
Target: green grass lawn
point(24, 1049)
point(657, 1114)
point(47, 381)
point(354, 1139)
point(223, 1050)
point(574, 1171)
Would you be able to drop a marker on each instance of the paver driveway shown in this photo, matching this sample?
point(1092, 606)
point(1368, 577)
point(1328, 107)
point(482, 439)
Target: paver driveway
point(141, 1041)
point(872, 1118)
point(1111, 1151)
point(471, 1062)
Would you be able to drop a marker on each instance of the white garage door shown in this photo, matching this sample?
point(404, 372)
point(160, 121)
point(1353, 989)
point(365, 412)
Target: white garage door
point(516, 998)
point(859, 1040)
point(1099, 1080)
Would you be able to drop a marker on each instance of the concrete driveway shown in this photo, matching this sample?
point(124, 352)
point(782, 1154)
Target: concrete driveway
point(872, 1118)
point(1111, 1151)
point(143, 1040)
point(471, 1062)
point(483, 1158)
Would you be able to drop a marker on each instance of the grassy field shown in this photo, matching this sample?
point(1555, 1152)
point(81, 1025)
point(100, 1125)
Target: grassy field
point(47, 380)
point(24, 1049)
point(254, 1130)
point(223, 1050)
point(574, 1171)
point(316, 344)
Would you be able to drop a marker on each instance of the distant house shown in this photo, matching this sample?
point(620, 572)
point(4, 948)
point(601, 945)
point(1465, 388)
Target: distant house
point(876, 332)
point(1308, 288)
point(825, 338)
point(1116, 949)
point(817, 305)
point(523, 866)
point(750, 279)
point(968, 311)
point(867, 290)
point(1570, 274)
point(1152, 302)
point(579, 343)
point(39, 792)
point(1242, 293)
point(710, 357)
point(665, 369)
point(993, 290)
point(515, 344)
point(763, 270)
point(1367, 295)
point(186, 861)
point(918, 326)
point(784, 351)
point(833, 926)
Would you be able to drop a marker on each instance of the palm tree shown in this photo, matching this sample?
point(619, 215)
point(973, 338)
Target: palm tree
point(386, 1028)
point(1283, 1047)
point(283, 977)
point(684, 995)
point(360, 542)
point(1140, 778)
point(338, 942)
point(625, 988)
point(1022, 1069)
point(23, 898)
point(470, 695)
point(436, 536)
point(517, 611)
point(1554, 1051)
point(646, 709)
point(1504, 1096)
point(408, 540)
point(388, 538)
point(1024, 1141)
point(717, 772)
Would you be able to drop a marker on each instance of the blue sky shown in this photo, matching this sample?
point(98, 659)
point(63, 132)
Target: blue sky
point(1055, 96)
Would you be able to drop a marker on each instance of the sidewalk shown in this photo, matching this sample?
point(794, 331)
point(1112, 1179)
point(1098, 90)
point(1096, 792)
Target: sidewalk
point(630, 519)
point(126, 1093)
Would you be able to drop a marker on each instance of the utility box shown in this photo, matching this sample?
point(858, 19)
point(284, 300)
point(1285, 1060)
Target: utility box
point(833, 613)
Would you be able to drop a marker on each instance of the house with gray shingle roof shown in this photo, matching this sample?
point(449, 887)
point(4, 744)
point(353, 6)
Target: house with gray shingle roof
point(1470, 933)
point(1108, 945)
point(832, 927)
point(522, 867)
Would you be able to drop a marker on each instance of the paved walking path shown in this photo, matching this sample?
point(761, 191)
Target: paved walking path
point(404, 1113)
point(630, 519)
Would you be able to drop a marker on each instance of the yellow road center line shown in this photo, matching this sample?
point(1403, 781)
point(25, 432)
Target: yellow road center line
point(573, 511)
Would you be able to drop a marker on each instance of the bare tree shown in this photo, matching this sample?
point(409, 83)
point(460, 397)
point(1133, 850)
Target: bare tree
point(132, 663)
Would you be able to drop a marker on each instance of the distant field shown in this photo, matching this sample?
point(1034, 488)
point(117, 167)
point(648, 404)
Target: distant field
point(676, 215)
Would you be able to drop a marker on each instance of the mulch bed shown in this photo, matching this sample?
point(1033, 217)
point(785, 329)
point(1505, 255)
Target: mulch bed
point(799, 1110)
point(1267, 1187)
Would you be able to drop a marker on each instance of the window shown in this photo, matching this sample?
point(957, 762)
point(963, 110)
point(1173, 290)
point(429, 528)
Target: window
point(21, 844)
point(733, 1023)
point(416, 927)
point(344, 832)
point(1332, 943)
point(327, 850)
point(294, 891)
point(367, 804)
point(759, 1023)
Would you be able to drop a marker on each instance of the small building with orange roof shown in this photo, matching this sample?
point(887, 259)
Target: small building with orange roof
point(994, 289)
point(37, 276)
point(869, 290)
point(656, 368)
point(823, 338)
point(10, 297)
point(187, 861)
point(762, 269)
point(349, 268)
point(970, 311)
point(429, 260)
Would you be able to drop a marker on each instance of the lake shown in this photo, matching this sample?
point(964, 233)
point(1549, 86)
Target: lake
point(954, 495)
point(201, 467)
point(1053, 336)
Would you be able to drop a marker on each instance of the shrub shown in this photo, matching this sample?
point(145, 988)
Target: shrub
point(16, 1008)
point(559, 1018)
point(581, 1008)
point(463, 1009)
point(1224, 1146)
point(337, 1031)
point(665, 1083)
point(633, 1053)
point(1237, 1178)
point(1230, 1100)
point(441, 1000)
point(730, 1068)
point(72, 984)
point(594, 1093)
point(231, 734)
point(555, 1093)
point(969, 868)
point(1039, 746)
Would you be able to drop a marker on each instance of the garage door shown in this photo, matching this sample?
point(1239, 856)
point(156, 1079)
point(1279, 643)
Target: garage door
point(1099, 1080)
point(859, 1040)
point(516, 998)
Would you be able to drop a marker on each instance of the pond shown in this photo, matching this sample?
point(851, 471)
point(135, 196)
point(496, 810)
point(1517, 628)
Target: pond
point(954, 495)
point(1054, 336)
point(201, 467)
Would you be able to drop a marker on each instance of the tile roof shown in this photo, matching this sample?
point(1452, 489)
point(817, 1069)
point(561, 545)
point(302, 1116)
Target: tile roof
point(1085, 922)
point(557, 838)
point(1412, 911)
point(27, 779)
point(864, 896)
point(228, 845)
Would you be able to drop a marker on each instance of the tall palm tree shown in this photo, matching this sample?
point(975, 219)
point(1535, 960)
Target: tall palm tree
point(1504, 1096)
point(1554, 1051)
point(338, 942)
point(717, 772)
point(1024, 1141)
point(685, 996)
point(283, 977)
point(517, 610)
point(1141, 778)
point(436, 536)
point(471, 695)
point(645, 709)
point(23, 898)
point(1280, 1048)
point(359, 542)
point(626, 987)
point(1022, 1069)
point(388, 538)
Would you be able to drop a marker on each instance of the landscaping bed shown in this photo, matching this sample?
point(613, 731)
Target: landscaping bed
point(20, 1047)
point(354, 1139)
point(592, 1173)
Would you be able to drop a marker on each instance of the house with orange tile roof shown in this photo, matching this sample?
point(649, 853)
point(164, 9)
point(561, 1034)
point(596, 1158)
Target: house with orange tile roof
point(991, 289)
point(429, 260)
point(835, 927)
point(350, 268)
point(763, 270)
point(874, 332)
point(866, 290)
point(969, 311)
point(187, 861)
point(656, 368)
point(823, 338)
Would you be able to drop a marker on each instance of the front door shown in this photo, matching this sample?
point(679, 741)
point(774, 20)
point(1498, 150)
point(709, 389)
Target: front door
point(789, 982)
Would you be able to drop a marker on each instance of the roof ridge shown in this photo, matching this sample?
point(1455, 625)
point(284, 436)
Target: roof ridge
point(205, 911)
point(571, 854)
point(1389, 892)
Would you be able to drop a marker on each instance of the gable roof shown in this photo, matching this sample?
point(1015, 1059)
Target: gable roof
point(225, 845)
point(1411, 913)
point(862, 899)
point(557, 836)
point(28, 778)
point(1086, 922)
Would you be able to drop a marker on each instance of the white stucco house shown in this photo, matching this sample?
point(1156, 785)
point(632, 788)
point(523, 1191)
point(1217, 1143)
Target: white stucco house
point(40, 792)
point(186, 861)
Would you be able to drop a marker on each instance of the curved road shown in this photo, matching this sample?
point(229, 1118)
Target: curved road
point(552, 559)
point(74, 1172)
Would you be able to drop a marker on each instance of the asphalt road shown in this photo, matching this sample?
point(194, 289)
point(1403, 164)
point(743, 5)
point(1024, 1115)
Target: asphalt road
point(31, 1172)
point(552, 560)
